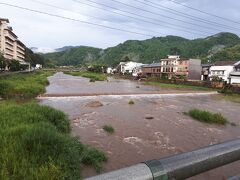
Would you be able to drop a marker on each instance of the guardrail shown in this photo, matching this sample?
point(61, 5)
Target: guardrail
point(180, 166)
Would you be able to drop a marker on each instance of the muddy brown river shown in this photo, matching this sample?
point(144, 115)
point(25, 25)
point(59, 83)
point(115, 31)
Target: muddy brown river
point(137, 137)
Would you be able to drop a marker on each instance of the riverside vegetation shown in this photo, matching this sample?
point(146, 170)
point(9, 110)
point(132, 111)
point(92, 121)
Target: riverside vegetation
point(178, 86)
point(109, 129)
point(94, 76)
point(23, 86)
point(207, 117)
point(35, 140)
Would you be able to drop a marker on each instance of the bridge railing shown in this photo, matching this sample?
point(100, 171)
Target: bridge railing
point(180, 166)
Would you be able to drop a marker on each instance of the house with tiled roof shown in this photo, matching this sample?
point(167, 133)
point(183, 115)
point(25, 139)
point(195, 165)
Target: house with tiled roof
point(222, 70)
point(234, 77)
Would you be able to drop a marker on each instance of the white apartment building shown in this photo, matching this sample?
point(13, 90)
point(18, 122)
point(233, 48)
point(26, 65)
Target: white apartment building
point(128, 67)
point(10, 46)
point(222, 69)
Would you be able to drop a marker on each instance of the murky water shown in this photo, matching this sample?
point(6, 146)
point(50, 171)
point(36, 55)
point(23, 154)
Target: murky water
point(137, 137)
point(66, 85)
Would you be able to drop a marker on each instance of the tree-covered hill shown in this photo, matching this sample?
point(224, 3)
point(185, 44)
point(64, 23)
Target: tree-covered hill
point(232, 53)
point(149, 50)
point(74, 56)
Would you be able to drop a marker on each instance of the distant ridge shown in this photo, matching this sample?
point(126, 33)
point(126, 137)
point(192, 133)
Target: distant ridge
point(147, 51)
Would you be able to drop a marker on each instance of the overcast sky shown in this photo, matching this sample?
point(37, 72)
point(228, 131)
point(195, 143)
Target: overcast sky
point(38, 30)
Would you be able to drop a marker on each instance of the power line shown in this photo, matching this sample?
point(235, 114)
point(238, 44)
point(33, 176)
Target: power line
point(179, 13)
point(68, 10)
point(154, 13)
point(76, 20)
point(204, 12)
point(183, 28)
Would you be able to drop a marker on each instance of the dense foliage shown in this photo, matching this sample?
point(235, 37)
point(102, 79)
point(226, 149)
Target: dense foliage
point(232, 53)
point(24, 86)
point(2, 62)
point(207, 117)
point(34, 58)
point(147, 51)
point(35, 140)
point(74, 56)
point(91, 75)
point(35, 144)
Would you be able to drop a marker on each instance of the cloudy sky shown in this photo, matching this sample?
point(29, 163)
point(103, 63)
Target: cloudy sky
point(146, 18)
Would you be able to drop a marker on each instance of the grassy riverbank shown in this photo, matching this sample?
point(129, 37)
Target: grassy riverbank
point(36, 144)
point(178, 86)
point(35, 140)
point(23, 86)
point(207, 117)
point(90, 75)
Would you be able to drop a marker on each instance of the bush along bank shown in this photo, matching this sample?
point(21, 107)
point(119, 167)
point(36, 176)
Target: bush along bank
point(23, 86)
point(231, 93)
point(35, 144)
point(35, 140)
point(93, 76)
point(178, 83)
point(207, 117)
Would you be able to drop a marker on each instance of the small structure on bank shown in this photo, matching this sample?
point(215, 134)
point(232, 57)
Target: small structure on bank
point(222, 70)
point(235, 75)
point(128, 67)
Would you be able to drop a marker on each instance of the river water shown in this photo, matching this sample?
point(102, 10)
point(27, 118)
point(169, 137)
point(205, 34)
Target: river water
point(152, 128)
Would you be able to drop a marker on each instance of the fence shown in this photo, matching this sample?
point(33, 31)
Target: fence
point(179, 166)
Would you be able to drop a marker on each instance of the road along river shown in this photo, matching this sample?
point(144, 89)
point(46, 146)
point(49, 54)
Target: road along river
point(152, 128)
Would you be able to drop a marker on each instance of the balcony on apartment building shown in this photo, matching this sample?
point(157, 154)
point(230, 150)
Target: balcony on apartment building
point(8, 33)
point(20, 47)
point(9, 47)
point(21, 52)
point(9, 41)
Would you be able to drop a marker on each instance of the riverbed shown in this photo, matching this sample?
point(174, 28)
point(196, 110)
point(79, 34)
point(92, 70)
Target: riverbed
point(154, 127)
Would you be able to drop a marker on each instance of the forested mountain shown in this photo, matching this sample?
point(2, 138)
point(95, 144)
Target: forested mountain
point(232, 53)
point(150, 50)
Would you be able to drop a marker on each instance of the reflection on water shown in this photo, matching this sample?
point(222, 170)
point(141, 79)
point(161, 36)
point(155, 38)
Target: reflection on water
point(138, 138)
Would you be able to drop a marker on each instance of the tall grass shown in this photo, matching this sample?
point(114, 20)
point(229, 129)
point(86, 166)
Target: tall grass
point(207, 117)
point(23, 86)
point(35, 144)
point(91, 75)
point(178, 86)
point(109, 129)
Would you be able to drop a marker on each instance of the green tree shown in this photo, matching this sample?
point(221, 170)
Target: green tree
point(125, 59)
point(15, 65)
point(2, 62)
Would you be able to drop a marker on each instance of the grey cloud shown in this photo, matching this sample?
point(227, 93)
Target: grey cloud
point(44, 31)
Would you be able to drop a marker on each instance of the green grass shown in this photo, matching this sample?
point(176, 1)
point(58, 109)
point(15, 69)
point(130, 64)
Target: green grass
point(35, 144)
point(23, 86)
point(229, 97)
point(109, 129)
point(207, 117)
point(131, 102)
point(178, 86)
point(91, 75)
point(35, 140)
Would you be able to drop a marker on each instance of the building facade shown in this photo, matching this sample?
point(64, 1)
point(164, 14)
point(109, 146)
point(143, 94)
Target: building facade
point(235, 75)
point(153, 70)
point(222, 70)
point(174, 66)
point(169, 66)
point(10, 46)
point(128, 67)
point(205, 72)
